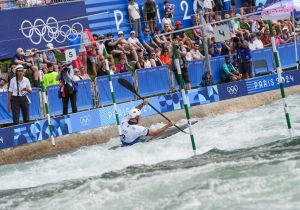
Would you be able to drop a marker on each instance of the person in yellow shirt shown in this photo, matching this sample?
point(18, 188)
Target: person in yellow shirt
point(50, 77)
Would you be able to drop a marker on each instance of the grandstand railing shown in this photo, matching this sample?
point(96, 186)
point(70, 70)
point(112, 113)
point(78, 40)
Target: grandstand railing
point(149, 82)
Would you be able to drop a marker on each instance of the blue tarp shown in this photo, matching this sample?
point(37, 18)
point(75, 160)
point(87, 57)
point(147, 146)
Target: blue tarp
point(84, 97)
point(153, 81)
point(121, 93)
point(34, 110)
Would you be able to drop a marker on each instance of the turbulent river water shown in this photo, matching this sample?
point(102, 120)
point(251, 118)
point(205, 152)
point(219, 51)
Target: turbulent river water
point(245, 160)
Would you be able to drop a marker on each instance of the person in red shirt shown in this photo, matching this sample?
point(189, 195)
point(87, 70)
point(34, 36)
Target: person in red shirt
point(266, 40)
point(165, 58)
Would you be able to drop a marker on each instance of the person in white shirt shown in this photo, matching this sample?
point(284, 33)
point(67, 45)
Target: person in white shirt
point(135, 42)
point(132, 131)
point(18, 100)
point(259, 44)
point(135, 17)
point(254, 43)
point(196, 54)
point(167, 21)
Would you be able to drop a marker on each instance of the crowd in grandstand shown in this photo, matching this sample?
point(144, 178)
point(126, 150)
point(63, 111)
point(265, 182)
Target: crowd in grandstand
point(153, 46)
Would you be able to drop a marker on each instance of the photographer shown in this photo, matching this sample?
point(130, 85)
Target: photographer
point(19, 87)
point(68, 87)
point(244, 56)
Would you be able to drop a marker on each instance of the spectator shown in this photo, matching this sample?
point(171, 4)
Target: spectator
point(3, 87)
point(207, 79)
point(19, 58)
point(226, 6)
point(170, 8)
point(126, 47)
point(49, 56)
point(135, 42)
point(180, 35)
point(214, 48)
point(266, 40)
point(167, 20)
point(225, 47)
point(244, 55)
point(68, 88)
point(196, 54)
point(278, 40)
point(150, 13)
point(111, 45)
point(122, 66)
point(135, 17)
point(92, 56)
point(147, 41)
point(161, 40)
point(100, 45)
point(183, 65)
point(147, 63)
point(77, 76)
point(286, 36)
point(154, 59)
point(165, 58)
point(257, 41)
point(50, 76)
point(197, 31)
point(228, 72)
point(140, 64)
point(18, 100)
point(102, 66)
point(208, 6)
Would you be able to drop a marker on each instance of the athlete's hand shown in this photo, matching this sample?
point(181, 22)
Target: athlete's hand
point(145, 102)
point(171, 123)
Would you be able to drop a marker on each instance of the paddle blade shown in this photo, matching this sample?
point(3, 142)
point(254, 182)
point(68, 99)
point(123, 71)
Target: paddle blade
point(127, 85)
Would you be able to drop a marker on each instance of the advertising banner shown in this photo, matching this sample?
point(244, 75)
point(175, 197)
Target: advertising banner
point(266, 83)
point(232, 90)
point(34, 27)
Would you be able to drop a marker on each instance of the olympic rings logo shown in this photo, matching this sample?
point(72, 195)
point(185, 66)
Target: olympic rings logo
point(232, 90)
point(49, 31)
point(85, 120)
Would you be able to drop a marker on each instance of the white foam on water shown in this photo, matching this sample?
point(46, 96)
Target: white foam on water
point(226, 132)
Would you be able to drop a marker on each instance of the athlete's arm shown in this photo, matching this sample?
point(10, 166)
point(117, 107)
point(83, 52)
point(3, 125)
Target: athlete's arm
point(140, 106)
point(160, 130)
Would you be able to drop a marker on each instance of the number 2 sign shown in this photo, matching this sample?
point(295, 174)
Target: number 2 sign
point(70, 55)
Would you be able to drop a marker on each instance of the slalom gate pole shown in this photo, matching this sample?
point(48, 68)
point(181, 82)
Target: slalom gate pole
point(112, 93)
point(45, 101)
point(182, 89)
point(280, 80)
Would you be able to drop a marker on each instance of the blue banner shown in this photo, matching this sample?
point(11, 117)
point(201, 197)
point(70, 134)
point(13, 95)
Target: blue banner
point(232, 90)
point(117, 18)
point(266, 83)
point(85, 120)
point(159, 76)
point(34, 107)
point(84, 98)
point(34, 27)
point(121, 93)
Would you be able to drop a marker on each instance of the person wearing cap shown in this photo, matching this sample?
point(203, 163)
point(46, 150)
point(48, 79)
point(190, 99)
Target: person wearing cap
point(126, 47)
point(135, 17)
point(180, 35)
point(135, 42)
point(228, 72)
point(286, 36)
point(49, 56)
point(131, 129)
point(18, 100)
point(20, 58)
point(50, 76)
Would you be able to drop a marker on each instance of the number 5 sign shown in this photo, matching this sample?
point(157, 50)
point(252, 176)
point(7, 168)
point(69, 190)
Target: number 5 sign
point(70, 55)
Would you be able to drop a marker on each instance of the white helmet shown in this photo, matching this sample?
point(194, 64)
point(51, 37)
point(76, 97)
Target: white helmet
point(134, 112)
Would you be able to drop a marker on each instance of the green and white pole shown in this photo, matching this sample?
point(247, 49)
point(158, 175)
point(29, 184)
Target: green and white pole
point(112, 93)
point(45, 101)
point(182, 89)
point(280, 80)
